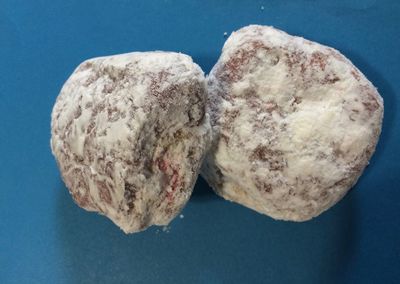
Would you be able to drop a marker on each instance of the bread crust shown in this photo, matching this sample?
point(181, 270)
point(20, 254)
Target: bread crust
point(129, 133)
point(294, 124)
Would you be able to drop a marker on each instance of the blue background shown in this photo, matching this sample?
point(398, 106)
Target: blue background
point(46, 238)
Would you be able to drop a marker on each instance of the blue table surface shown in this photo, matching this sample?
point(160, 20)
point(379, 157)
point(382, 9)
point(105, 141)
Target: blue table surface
point(46, 238)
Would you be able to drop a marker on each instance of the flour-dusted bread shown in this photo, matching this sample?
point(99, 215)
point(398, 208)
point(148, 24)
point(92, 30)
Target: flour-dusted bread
point(129, 133)
point(294, 124)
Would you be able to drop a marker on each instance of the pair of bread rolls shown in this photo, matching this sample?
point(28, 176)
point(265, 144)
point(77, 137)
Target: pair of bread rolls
point(282, 125)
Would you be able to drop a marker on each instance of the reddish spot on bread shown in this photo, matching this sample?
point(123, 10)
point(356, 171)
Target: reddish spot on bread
point(104, 192)
point(233, 67)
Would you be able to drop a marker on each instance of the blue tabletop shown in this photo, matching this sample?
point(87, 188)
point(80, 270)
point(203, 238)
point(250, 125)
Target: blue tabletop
point(46, 238)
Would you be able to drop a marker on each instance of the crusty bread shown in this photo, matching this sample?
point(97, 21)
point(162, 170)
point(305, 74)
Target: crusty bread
point(294, 124)
point(129, 133)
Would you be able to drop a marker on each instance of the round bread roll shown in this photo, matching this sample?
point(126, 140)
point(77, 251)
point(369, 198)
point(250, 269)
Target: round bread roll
point(129, 133)
point(294, 124)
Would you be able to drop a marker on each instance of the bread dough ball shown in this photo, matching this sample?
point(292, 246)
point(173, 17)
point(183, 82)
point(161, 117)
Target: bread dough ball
point(129, 133)
point(294, 124)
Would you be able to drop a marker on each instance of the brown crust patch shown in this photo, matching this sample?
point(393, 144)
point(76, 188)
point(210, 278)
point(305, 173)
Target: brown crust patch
point(233, 68)
point(130, 192)
point(319, 59)
point(265, 154)
point(263, 186)
point(76, 181)
point(104, 192)
point(369, 100)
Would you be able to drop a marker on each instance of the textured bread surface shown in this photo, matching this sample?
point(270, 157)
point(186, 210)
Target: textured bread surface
point(129, 133)
point(294, 124)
